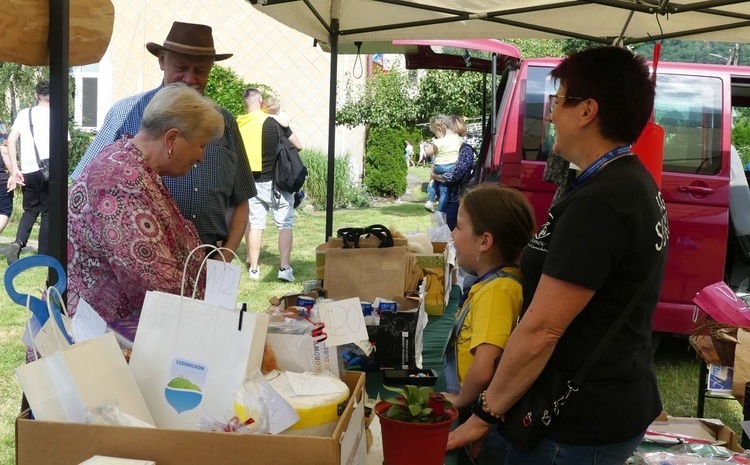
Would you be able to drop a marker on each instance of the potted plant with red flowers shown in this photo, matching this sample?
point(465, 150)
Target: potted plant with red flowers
point(415, 426)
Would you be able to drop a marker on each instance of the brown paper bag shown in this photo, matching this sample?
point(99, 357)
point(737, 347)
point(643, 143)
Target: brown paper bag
point(741, 363)
point(365, 273)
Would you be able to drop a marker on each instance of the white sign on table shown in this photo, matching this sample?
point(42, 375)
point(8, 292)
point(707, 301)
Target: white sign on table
point(222, 283)
point(311, 385)
point(86, 323)
point(344, 321)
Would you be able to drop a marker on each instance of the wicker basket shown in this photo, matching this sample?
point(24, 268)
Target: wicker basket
point(724, 338)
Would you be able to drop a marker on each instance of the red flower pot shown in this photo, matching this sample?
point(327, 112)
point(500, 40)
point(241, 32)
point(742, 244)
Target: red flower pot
point(413, 443)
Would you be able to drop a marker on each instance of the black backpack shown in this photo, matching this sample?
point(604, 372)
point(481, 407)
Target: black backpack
point(289, 173)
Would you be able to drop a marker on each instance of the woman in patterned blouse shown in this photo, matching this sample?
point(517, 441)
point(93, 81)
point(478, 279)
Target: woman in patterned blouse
point(125, 233)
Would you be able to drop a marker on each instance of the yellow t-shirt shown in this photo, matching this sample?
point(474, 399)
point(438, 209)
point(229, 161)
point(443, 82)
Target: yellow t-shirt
point(251, 129)
point(495, 306)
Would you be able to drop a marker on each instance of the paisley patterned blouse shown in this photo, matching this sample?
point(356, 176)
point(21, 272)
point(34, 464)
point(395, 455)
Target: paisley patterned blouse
point(125, 235)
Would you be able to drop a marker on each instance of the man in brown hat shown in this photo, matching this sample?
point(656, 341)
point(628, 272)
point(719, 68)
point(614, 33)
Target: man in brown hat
point(218, 188)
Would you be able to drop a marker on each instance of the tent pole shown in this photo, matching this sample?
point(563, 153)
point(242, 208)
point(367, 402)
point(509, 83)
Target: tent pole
point(58, 44)
point(332, 126)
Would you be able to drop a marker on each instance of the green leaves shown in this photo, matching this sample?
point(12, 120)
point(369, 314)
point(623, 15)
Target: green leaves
point(417, 405)
point(225, 87)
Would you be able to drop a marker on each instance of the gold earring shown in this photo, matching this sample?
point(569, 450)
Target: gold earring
point(479, 256)
point(169, 153)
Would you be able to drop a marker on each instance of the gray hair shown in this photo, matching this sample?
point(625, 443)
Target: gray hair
point(185, 109)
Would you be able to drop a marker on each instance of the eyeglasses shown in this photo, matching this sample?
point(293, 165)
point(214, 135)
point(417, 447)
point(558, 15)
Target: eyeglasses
point(554, 100)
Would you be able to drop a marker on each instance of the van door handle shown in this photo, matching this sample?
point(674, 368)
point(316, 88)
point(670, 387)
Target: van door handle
point(700, 190)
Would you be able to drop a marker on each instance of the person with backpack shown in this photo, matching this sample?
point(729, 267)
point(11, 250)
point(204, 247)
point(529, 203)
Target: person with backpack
point(458, 177)
point(262, 136)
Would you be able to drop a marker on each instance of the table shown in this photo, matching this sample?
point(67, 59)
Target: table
point(704, 349)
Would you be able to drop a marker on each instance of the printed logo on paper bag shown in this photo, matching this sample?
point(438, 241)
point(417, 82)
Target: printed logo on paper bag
point(184, 392)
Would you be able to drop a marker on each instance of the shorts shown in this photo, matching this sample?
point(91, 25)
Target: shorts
point(280, 204)
point(6, 198)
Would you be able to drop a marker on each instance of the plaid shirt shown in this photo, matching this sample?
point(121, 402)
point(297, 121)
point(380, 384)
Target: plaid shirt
point(207, 193)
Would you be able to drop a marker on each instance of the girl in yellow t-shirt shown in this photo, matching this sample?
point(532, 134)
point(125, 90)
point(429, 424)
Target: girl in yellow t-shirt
point(494, 225)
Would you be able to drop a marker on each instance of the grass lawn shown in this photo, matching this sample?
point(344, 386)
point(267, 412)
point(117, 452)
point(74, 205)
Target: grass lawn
point(677, 367)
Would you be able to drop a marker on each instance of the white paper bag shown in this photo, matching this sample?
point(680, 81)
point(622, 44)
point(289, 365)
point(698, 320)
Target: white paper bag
point(300, 353)
point(189, 357)
point(64, 385)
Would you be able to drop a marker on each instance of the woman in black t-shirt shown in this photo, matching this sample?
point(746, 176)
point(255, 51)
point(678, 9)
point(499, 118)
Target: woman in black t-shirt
point(582, 268)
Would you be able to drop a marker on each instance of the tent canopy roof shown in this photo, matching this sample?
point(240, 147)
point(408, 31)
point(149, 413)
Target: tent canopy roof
point(376, 23)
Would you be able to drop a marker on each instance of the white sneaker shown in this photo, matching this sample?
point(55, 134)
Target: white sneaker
point(254, 274)
point(286, 275)
point(428, 206)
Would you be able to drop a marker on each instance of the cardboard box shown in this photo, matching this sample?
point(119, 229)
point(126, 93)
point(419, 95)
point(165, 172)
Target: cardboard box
point(703, 428)
point(40, 442)
point(102, 460)
point(437, 264)
point(436, 259)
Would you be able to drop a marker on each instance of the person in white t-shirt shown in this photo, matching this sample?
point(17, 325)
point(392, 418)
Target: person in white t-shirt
point(32, 127)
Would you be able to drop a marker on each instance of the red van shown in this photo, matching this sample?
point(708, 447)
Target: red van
point(707, 242)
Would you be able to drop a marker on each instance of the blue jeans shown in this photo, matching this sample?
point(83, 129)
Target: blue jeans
point(438, 190)
point(552, 453)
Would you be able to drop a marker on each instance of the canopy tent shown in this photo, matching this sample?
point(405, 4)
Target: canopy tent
point(370, 26)
point(340, 25)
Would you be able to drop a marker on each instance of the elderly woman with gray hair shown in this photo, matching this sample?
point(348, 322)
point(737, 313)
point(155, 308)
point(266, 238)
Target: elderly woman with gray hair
point(125, 233)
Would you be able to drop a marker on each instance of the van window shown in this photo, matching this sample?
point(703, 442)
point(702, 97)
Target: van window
point(687, 107)
point(537, 133)
point(689, 110)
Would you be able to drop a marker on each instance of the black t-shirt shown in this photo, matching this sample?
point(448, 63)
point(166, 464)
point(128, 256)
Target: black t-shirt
point(269, 146)
point(605, 235)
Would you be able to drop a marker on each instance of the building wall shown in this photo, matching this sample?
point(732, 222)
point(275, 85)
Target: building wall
point(265, 51)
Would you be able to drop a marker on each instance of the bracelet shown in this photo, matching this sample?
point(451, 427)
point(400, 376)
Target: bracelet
point(482, 410)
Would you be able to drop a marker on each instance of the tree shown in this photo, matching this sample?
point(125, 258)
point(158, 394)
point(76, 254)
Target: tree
point(17, 84)
point(225, 88)
point(450, 93)
point(384, 101)
point(539, 48)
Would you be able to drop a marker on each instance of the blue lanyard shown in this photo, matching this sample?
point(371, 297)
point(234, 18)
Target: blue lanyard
point(465, 295)
point(596, 166)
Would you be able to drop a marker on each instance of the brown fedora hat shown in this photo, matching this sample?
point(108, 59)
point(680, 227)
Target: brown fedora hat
point(189, 39)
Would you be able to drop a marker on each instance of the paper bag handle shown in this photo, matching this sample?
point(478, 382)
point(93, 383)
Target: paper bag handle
point(200, 270)
point(57, 316)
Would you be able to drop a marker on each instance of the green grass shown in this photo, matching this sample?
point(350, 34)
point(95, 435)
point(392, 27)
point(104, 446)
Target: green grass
point(677, 367)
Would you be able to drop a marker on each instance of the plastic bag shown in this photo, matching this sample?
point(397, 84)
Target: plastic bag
point(439, 232)
point(299, 345)
point(251, 411)
point(110, 414)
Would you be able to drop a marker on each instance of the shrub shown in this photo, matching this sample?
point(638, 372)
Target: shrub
point(79, 142)
point(385, 166)
point(346, 192)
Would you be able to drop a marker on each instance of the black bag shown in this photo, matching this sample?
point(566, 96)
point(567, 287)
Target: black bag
point(45, 168)
point(525, 422)
point(43, 164)
point(289, 173)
